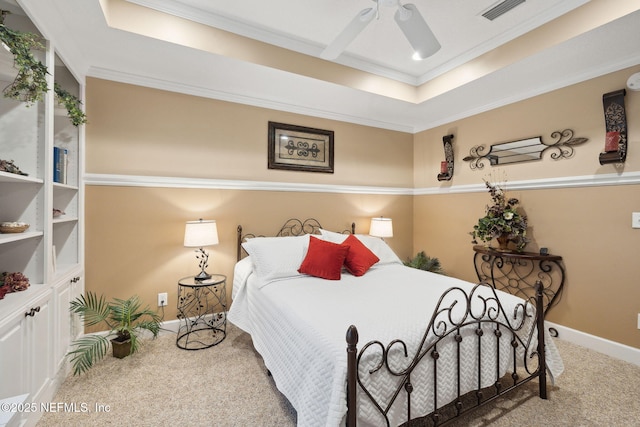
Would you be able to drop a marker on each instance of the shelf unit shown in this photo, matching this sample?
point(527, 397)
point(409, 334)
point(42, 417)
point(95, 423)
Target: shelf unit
point(36, 327)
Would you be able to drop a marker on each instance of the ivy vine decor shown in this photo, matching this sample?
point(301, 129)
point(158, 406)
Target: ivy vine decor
point(71, 103)
point(30, 84)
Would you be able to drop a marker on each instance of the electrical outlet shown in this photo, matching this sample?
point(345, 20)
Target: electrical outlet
point(162, 299)
point(635, 220)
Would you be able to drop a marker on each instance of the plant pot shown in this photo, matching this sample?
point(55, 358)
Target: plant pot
point(503, 242)
point(121, 347)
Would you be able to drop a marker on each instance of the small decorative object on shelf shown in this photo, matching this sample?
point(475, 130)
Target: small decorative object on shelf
point(13, 227)
point(57, 213)
point(446, 167)
point(502, 220)
point(12, 282)
point(9, 166)
point(615, 119)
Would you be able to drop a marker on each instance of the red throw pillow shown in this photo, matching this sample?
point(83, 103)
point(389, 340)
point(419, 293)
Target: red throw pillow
point(324, 259)
point(360, 258)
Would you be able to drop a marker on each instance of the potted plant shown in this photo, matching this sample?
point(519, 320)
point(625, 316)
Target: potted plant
point(502, 221)
point(125, 319)
point(424, 262)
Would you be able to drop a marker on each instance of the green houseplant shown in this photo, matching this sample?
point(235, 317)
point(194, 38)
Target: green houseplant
point(502, 220)
point(126, 320)
point(424, 262)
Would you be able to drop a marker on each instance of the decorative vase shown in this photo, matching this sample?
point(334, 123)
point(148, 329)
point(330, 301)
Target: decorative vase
point(121, 347)
point(503, 242)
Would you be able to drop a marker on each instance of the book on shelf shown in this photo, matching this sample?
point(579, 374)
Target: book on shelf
point(60, 161)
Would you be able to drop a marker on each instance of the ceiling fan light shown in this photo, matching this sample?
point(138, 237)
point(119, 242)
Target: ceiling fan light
point(416, 30)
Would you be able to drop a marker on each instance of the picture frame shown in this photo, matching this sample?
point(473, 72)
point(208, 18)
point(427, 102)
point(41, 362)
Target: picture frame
point(300, 148)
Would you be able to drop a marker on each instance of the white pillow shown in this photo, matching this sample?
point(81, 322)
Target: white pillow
point(332, 236)
point(277, 257)
point(375, 245)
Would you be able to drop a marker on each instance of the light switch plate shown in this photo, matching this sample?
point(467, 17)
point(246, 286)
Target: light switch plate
point(635, 220)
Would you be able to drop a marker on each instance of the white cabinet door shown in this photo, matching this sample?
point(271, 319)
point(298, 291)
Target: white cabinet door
point(63, 322)
point(13, 364)
point(67, 324)
point(40, 345)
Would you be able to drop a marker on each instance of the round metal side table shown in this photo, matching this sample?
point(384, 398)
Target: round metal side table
point(202, 312)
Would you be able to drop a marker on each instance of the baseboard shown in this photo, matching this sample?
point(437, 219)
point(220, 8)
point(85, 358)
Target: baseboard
point(170, 326)
point(601, 345)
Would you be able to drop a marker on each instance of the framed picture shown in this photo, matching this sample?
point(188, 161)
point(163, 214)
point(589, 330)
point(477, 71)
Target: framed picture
point(300, 148)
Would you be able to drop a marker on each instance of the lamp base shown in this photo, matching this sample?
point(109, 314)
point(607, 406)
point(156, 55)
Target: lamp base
point(202, 276)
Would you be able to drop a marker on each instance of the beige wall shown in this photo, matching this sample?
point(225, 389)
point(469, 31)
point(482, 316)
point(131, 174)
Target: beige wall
point(590, 227)
point(134, 234)
point(138, 131)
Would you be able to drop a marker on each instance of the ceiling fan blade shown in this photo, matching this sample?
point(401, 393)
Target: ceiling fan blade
point(417, 31)
point(351, 31)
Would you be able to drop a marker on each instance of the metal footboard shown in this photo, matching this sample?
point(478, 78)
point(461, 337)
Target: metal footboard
point(461, 319)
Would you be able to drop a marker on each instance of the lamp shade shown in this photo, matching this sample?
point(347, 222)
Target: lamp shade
point(201, 233)
point(381, 227)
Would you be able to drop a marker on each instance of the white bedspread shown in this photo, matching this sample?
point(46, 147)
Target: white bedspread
point(298, 325)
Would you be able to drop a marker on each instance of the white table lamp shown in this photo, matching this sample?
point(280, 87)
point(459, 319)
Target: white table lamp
point(198, 234)
point(381, 227)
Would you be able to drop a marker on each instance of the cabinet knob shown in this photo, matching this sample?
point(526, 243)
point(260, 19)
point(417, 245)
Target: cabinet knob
point(32, 312)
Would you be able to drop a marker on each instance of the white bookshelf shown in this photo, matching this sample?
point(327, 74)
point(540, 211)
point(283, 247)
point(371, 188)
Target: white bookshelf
point(50, 251)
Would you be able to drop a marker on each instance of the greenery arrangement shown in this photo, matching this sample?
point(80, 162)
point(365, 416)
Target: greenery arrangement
point(424, 262)
point(502, 220)
point(30, 84)
point(72, 105)
point(125, 319)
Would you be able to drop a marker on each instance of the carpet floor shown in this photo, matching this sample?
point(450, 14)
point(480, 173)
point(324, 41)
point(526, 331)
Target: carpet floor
point(228, 385)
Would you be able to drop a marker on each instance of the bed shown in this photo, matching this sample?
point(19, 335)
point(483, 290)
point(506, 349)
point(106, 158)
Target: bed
point(434, 347)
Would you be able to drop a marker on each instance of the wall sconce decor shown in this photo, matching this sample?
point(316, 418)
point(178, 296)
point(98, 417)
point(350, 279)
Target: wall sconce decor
point(446, 167)
point(525, 150)
point(615, 119)
point(198, 234)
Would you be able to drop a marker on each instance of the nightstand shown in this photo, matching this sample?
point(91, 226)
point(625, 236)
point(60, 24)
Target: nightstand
point(202, 312)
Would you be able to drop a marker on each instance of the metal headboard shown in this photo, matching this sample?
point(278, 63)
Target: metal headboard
point(292, 227)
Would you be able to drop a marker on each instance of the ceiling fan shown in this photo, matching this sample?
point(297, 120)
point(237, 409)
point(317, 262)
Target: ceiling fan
point(407, 17)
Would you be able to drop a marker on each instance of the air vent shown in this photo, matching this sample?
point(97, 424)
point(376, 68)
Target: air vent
point(501, 9)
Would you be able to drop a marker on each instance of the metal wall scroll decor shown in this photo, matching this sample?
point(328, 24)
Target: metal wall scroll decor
point(446, 166)
point(615, 119)
point(525, 150)
point(300, 148)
